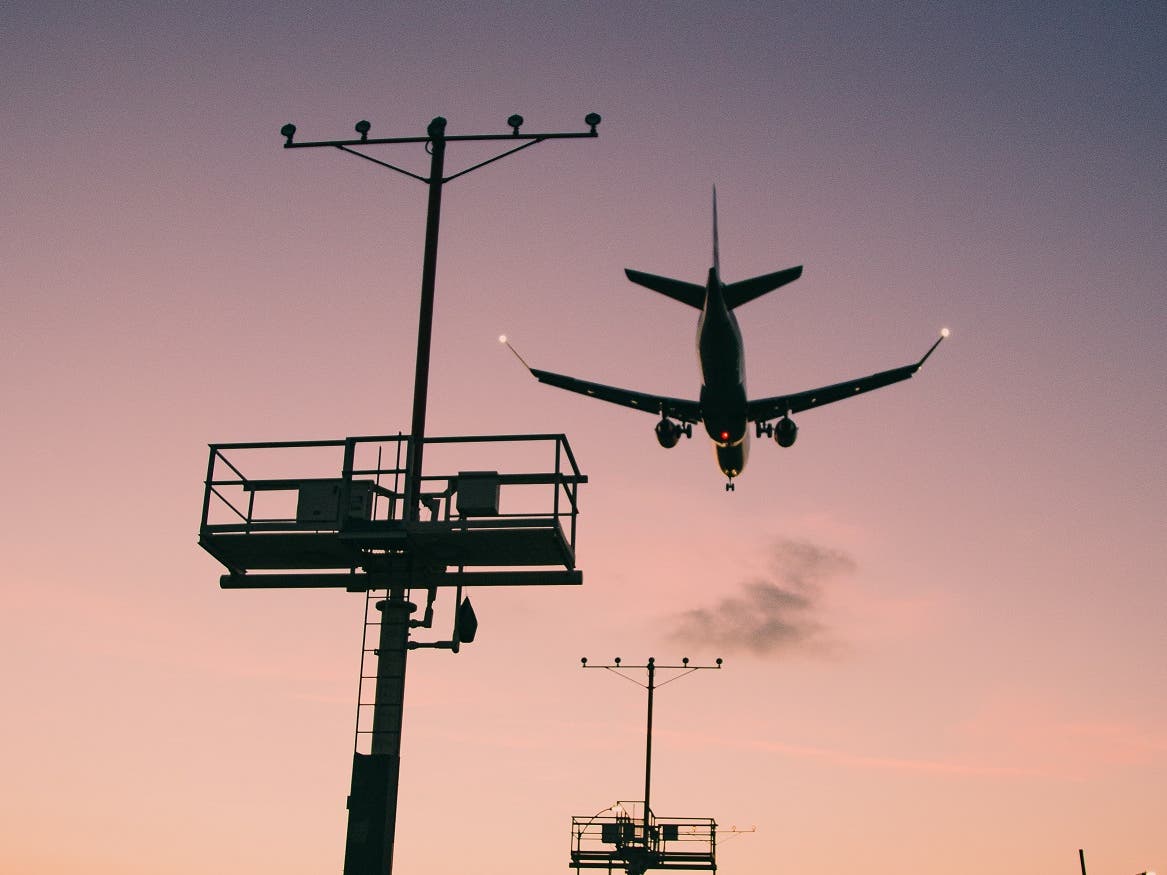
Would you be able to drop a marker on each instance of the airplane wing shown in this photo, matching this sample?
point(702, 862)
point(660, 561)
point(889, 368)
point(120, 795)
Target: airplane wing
point(676, 408)
point(779, 405)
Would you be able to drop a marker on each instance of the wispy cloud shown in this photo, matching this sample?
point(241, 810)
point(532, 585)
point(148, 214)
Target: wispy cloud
point(971, 764)
point(848, 759)
point(770, 615)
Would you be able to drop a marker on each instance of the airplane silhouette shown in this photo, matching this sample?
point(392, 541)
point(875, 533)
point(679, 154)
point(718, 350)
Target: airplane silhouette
point(723, 405)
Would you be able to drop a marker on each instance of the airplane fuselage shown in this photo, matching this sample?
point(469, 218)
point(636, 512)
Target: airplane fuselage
point(723, 379)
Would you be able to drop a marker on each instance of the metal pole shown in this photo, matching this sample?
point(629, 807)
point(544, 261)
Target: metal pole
point(425, 321)
point(648, 749)
point(389, 703)
point(1082, 859)
point(393, 646)
point(372, 805)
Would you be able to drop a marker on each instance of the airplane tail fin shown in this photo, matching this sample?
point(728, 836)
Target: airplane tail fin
point(716, 257)
point(687, 293)
point(738, 293)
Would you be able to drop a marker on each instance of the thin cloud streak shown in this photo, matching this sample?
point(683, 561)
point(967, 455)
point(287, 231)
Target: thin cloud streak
point(843, 758)
point(847, 759)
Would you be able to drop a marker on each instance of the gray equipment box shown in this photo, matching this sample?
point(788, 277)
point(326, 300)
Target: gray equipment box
point(319, 501)
point(478, 493)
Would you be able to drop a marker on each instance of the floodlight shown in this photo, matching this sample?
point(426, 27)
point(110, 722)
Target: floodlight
point(583, 660)
point(362, 128)
point(617, 660)
point(684, 660)
point(943, 332)
point(592, 119)
point(289, 131)
point(436, 128)
point(515, 122)
point(651, 661)
point(467, 622)
point(718, 660)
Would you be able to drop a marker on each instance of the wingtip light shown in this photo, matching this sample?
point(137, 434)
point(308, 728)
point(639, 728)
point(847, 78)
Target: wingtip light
point(502, 338)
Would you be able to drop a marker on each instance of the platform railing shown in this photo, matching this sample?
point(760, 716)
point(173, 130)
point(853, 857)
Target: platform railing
point(608, 840)
point(230, 489)
point(354, 488)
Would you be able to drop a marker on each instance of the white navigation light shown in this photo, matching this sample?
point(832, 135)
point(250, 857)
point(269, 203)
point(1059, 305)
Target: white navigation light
point(943, 332)
point(502, 338)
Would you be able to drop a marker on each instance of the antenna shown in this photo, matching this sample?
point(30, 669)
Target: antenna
point(716, 257)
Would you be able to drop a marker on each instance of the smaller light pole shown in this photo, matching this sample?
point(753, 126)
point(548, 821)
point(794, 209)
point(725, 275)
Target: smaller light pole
point(685, 669)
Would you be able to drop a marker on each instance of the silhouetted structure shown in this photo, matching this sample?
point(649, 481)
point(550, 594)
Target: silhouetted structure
point(632, 837)
point(332, 514)
point(335, 537)
point(435, 142)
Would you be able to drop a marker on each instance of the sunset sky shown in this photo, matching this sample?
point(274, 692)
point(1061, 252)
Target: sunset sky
point(942, 612)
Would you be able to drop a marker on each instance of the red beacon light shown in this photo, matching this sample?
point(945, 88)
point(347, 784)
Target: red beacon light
point(725, 435)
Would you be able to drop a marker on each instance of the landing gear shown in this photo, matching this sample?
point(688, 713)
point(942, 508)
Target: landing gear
point(729, 486)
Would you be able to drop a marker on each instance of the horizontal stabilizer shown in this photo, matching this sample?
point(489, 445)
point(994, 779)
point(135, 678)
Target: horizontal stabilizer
point(687, 293)
point(738, 293)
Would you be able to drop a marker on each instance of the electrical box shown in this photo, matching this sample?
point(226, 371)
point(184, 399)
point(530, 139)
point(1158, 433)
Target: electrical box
point(319, 501)
point(478, 493)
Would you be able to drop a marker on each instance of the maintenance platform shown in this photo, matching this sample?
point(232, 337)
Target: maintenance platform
point(625, 839)
point(332, 513)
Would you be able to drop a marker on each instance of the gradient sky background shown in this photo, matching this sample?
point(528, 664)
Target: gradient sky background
point(975, 680)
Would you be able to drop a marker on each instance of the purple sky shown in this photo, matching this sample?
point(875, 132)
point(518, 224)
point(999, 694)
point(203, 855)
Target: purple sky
point(967, 570)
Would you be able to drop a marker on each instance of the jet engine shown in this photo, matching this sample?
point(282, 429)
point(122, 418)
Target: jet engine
point(668, 433)
point(785, 431)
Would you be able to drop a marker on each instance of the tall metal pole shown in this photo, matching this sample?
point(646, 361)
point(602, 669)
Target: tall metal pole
point(376, 777)
point(429, 266)
point(372, 827)
point(393, 642)
point(648, 748)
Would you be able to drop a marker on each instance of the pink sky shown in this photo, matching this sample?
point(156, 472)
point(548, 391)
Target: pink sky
point(979, 682)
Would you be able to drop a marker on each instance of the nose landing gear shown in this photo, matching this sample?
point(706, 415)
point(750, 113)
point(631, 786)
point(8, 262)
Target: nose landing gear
point(729, 486)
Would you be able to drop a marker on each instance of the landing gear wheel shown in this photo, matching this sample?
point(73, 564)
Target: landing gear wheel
point(729, 486)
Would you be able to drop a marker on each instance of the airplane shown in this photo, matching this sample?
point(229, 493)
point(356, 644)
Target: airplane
point(723, 405)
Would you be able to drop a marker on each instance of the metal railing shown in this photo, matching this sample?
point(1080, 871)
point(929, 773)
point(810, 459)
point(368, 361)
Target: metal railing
point(265, 497)
point(625, 838)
